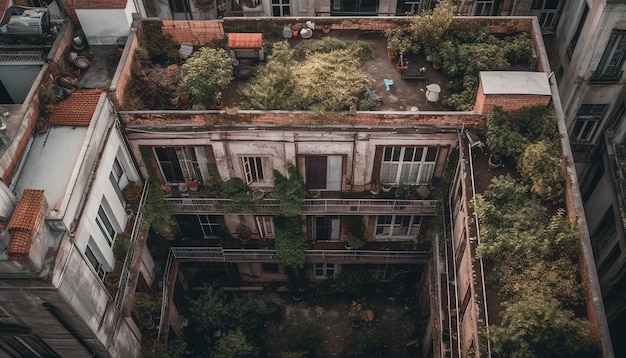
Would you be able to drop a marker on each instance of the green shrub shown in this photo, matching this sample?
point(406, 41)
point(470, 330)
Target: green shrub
point(206, 73)
point(542, 165)
point(303, 336)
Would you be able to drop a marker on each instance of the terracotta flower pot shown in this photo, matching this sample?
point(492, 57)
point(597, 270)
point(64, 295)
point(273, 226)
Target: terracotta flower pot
point(184, 97)
point(326, 29)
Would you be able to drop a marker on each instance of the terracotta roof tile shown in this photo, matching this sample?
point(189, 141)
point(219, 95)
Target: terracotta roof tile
point(77, 109)
point(245, 41)
point(24, 223)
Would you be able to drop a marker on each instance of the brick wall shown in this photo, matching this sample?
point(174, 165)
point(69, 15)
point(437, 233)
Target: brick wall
point(509, 102)
point(120, 81)
point(446, 119)
point(196, 32)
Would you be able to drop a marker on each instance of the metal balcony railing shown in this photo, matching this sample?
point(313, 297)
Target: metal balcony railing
point(312, 206)
point(218, 254)
point(121, 293)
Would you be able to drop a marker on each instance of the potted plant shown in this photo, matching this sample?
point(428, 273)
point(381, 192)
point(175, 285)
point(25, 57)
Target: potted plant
point(375, 188)
point(356, 314)
point(47, 98)
point(244, 233)
point(132, 192)
point(192, 184)
point(403, 63)
point(122, 246)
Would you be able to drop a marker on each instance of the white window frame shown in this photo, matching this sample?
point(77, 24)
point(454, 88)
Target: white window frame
point(94, 262)
point(405, 165)
point(485, 8)
point(609, 68)
point(256, 170)
point(281, 5)
point(587, 121)
point(210, 225)
point(547, 17)
point(106, 225)
point(324, 270)
point(265, 224)
point(334, 224)
point(398, 226)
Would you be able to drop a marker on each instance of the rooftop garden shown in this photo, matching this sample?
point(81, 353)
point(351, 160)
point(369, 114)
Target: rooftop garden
point(326, 73)
point(530, 248)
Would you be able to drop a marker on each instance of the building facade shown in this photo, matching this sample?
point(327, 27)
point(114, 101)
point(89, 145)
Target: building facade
point(588, 59)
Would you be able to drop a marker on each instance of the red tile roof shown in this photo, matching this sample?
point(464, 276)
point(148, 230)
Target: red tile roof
point(245, 41)
point(24, 222)
point(77, 109)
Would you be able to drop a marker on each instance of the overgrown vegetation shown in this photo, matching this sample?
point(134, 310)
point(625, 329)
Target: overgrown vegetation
point(463, 54)
point(226, 325)
point(289, 242)
point(206, 73)
point(328, 78)
point(532, 255)
point(529, 137)
point(289, 191)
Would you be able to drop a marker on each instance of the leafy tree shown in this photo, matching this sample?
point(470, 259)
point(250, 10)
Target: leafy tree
point(206, 73)
point(537, 326)
point(303, 336)
point(558, 279)
point(502, 137)
point(289, 242)
point(215, 310)
point(273, 86)
point(541, 164)
point(429, 26)
point(289, 191)
point(235, 345)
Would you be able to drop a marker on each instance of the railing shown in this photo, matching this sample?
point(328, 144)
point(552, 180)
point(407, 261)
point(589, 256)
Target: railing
point(312, 206)
point(218, 254)
point(121, 293)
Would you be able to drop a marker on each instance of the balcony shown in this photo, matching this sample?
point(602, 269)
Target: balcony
point(218, 254)
point(314, 206)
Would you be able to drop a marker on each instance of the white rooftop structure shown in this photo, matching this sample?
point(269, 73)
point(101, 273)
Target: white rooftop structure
point(515, 82)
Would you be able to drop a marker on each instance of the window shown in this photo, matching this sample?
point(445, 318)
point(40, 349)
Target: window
point(281, 8)
point(610, 67)
point(415, 7)
point(587, 121)
point(326, 228)
point(408, 165)
point(255, 169)
point(107, 229)
point(398, 225)
point(354, 7)
point(579, 29)
point(93, 260)
point(180, 163)
point(323, 270)
point(181, 9)
point(210, 225)
point(546, 12)
point(115, 176)
point(26, 346)
point(486, 8)
point(323, 171)
point(605, 233)
point(265, 224)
